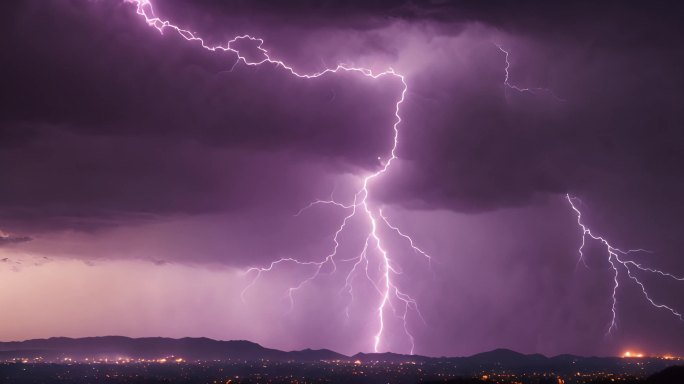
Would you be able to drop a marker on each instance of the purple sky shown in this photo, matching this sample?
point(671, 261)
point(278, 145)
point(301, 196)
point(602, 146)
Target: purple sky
point(143, 175)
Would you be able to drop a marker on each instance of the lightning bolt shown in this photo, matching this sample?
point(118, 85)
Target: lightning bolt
point(617, 258)
point(531, 90)
point(390, 296)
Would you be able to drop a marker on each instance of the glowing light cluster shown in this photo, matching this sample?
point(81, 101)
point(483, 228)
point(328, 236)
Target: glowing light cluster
point(617, 258)
point(389, 293)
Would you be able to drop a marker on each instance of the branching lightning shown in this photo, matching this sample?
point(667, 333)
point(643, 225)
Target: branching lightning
point(617, 260)
point(391, 299)
point(616, 256)
point(508, 84)
point(389, 293)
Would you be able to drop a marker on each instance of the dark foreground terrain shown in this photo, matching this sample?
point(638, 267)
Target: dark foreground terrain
point(119, 360)
point(268, 372)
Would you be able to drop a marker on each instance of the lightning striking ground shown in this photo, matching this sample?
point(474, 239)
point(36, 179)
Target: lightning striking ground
point(617, 261)
point(389, 293)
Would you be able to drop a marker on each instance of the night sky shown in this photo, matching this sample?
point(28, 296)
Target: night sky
point(141, 176)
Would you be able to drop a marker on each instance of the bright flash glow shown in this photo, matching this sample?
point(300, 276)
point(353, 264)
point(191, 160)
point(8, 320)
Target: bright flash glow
point(389, 293)
point(618, 261)
point(629, 354)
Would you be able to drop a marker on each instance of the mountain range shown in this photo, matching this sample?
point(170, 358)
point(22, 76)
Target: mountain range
point(204, 349)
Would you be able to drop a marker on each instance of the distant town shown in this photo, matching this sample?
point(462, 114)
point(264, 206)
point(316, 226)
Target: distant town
point(123, 360)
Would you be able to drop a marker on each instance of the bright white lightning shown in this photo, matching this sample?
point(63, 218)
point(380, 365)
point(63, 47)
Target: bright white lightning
point(615, 258)
point(614, 254)
point(408, 238)
point(386, 287)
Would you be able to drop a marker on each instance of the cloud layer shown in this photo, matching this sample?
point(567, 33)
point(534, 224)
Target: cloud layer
point(118, 143)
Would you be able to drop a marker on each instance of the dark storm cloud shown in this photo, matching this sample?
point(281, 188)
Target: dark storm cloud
point(79, 180)
point(615, 131)
point(107, 118)
point(105, 121)
point(469, 144)
point(155, 150)
point(108, 75)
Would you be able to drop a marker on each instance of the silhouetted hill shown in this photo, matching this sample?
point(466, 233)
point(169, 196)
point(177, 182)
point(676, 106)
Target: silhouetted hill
point(667, 376)
point(316, 355)
point(193, 349)
point(506, 357)
point(388, 357)
point(146, 348)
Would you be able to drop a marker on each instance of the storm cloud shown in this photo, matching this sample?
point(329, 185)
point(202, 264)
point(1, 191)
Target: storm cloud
point(117, 142)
